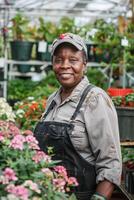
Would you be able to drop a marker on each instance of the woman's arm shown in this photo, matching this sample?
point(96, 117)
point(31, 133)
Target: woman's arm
point(105, 188)
point(102, 127)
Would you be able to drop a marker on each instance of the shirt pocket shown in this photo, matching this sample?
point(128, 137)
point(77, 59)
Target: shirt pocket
point(79, 138)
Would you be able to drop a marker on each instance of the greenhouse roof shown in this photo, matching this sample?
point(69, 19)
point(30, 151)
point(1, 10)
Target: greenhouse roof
point(84, 10)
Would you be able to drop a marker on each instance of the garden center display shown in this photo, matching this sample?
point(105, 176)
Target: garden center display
point(27, 30)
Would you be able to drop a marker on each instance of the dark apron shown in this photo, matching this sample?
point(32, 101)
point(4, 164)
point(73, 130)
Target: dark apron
point(57, 135)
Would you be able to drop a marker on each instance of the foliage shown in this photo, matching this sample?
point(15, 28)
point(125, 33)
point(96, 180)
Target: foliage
point(47, 30)
point(128, 157)
point(19, 88)
point(26, 172)
point(20, 27)
point(108, 41)
point(97, 78)
point(28, 112)
point(129, 97)
point(6, 112)
point(117, 100)
point(66, 25)
point(124, 101)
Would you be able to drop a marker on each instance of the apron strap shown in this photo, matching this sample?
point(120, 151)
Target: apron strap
point(52, 104)
point(83, 96)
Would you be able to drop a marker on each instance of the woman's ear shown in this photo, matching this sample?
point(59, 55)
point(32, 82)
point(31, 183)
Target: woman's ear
point(84, 68)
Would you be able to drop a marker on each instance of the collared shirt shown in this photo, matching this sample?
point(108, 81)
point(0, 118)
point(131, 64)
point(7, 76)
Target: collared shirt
point(96, 133)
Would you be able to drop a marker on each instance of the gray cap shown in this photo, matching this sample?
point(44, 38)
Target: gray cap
point(71, 38)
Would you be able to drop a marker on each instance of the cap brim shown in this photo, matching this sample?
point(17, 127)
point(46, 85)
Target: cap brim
point(66, 40)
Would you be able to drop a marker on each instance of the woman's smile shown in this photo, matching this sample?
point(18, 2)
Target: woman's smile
point(66, 75)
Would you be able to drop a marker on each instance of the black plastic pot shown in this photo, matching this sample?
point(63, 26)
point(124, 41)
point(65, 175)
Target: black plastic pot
point(126, 123)
point(24, 68)
point(103, 57)
point(43, 56)
point(91, 52)
point(21, 50)
point(129, 180)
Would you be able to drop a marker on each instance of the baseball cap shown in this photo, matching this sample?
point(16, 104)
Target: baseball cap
point(71, 38)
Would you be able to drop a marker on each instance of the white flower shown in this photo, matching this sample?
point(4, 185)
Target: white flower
point(30, 98)
point(20, 113)
point(6, 109)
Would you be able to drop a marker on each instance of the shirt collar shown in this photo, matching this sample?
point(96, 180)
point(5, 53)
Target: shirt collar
point(76, 93)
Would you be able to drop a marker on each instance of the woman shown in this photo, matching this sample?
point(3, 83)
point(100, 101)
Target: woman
point(80, 123)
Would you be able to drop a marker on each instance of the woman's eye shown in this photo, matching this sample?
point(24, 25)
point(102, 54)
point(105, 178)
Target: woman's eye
point(73, 60)
point(58, 60)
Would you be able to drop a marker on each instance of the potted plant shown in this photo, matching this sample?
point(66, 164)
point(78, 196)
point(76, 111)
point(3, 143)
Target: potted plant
point(128, 168)
point(46, 33)
point(21, 44)
point(130, 99)
point(121, 98)
point(108, 42)
point(117, 100)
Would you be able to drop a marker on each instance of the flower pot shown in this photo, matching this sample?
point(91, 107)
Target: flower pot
point(24, 68)
point(119, 91)
point(131, 103)
point(43, 55)
point(21, 50)
point(126, 123)
point(91, 52)
point(129, 180)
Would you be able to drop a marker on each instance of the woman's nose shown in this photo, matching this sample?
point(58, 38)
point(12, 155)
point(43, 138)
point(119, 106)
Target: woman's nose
point(65, 64)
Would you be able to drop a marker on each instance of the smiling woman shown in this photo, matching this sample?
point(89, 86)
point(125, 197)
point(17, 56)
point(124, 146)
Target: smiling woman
point(80, 123)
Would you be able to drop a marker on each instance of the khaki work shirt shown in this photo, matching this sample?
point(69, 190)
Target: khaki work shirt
point(95, 135)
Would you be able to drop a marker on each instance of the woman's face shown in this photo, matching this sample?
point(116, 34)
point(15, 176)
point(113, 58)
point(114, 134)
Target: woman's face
point(69, 66)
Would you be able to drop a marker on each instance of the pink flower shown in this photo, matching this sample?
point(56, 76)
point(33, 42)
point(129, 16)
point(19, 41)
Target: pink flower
point(19, 191)
point(39, 156)
point(47, 172)
point(10, 174)
point(31, 139)
point(1, 137)
point(61, 170)
point(33, 143)
point(59, 184)
point(33, 186)
point(17, 142)
point(34, 146)
point(14, 130)
point(72, 181)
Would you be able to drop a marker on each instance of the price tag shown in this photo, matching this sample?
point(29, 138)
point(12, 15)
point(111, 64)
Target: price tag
point(2, 62)
point(42, 47)
point(124, 42)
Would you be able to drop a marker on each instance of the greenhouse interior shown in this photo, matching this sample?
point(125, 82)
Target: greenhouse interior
point(30, 80)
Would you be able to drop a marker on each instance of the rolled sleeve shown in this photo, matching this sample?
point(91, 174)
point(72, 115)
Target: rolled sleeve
point(102, 127)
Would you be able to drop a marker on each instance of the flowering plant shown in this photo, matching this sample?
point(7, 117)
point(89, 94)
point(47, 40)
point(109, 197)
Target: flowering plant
point(28, 112)
point(6, 112)
point(26, 172)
